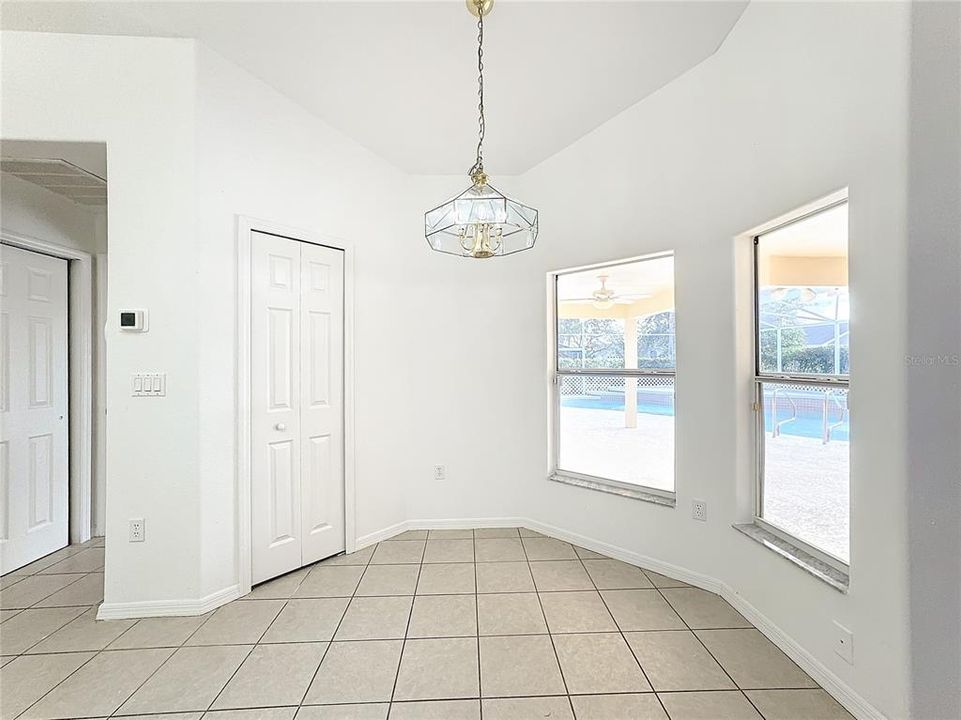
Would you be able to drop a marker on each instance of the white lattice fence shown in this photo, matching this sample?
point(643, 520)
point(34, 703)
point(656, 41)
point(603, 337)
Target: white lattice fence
point(602, 385)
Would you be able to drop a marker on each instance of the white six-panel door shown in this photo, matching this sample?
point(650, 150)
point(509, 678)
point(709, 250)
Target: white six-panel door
point(34, 507)
point(297, 464)
point(322, 401)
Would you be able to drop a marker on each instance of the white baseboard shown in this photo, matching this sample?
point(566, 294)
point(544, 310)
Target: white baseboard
point(837, 688)
point(168, 608)
point(375, 537)
point(859, 707)
point(676, 572)
point(437, 524)
point(465, 523)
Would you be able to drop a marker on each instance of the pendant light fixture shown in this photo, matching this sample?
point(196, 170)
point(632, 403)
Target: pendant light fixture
point(481, 222)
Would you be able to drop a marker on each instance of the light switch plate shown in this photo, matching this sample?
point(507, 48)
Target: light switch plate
point(148, 384)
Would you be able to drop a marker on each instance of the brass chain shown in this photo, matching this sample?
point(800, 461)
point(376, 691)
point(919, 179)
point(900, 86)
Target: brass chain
point(481, 120)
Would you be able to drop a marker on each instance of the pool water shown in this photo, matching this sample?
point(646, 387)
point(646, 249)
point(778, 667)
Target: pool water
point(614, 403)
point(806, 424)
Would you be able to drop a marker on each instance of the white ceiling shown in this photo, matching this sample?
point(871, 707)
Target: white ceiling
point(399, 77)
point(640, 278)
point(822, 235)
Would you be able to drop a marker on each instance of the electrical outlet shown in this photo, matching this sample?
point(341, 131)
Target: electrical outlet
point(699, 510)
point(844, 643)
point(136, 530)
point(440, 473)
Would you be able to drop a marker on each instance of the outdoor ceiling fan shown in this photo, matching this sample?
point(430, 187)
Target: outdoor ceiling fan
point(604, 298)
point(806, 294)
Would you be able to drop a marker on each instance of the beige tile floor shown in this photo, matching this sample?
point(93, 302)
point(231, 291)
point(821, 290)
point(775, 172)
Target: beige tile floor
point(499, 624)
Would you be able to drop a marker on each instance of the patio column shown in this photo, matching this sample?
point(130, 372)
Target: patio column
point(630, 362)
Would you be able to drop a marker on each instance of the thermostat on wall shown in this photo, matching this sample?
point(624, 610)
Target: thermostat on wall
point(133, 320)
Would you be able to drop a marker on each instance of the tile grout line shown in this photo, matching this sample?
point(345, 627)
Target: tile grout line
point(81, 665)
point(647, 679)
point(27, 649)
point(366, 565)
point(174, 650)
point(260, 642)
point(410, 614)
point(547, 626)
point(33, 606)
point(69, 675)
point(250, 652)
point(708, 650)
point(77, 554)
point(263, 634)
point(23, 576)
point(480, 701)
point(422, 637)
point(659, 589)
point(333, 633)
point(96, 654)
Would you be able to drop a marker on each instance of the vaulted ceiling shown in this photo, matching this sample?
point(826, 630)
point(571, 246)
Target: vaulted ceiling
point(399, 77)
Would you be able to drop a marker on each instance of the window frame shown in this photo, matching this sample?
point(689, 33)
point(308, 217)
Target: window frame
point(812, 380)
point(555, 375)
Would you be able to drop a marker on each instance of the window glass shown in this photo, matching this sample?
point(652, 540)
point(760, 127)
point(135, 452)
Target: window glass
point(802, 296)
point(803, 333)
point(597, 437)
point(615, 364)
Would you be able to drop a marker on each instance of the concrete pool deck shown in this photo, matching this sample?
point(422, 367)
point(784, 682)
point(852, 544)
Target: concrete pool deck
point(806, 488)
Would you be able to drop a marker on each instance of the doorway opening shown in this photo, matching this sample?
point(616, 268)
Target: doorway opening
point(53, 255)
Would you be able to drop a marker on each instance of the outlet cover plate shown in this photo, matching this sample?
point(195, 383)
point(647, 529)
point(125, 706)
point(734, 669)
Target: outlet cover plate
point(699, 510)
point(843, 643)
point(136, 530)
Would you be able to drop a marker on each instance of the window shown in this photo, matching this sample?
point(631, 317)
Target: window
point(801, 382)
point(614, 377)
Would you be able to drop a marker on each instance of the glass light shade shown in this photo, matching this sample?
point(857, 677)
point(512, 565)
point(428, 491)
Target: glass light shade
point(481, 222)
point(480, 204)
point(603, 304)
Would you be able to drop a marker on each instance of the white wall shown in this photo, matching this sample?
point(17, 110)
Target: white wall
point(934, 368)
point(451, 355)
point(422, 321)
point(260, 155)
point(205, 143)
point(137, 96)
point(198, 142)
point(801, 100)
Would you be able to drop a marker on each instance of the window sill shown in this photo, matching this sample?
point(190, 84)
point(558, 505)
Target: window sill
point(637, 493)
point(838, 579)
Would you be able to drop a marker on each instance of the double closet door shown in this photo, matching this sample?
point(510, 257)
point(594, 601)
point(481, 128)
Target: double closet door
point(297, 404)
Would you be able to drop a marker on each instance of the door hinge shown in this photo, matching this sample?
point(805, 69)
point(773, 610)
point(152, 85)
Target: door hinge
point(755, 406)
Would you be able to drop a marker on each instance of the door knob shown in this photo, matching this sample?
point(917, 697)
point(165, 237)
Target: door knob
point(280, 426)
